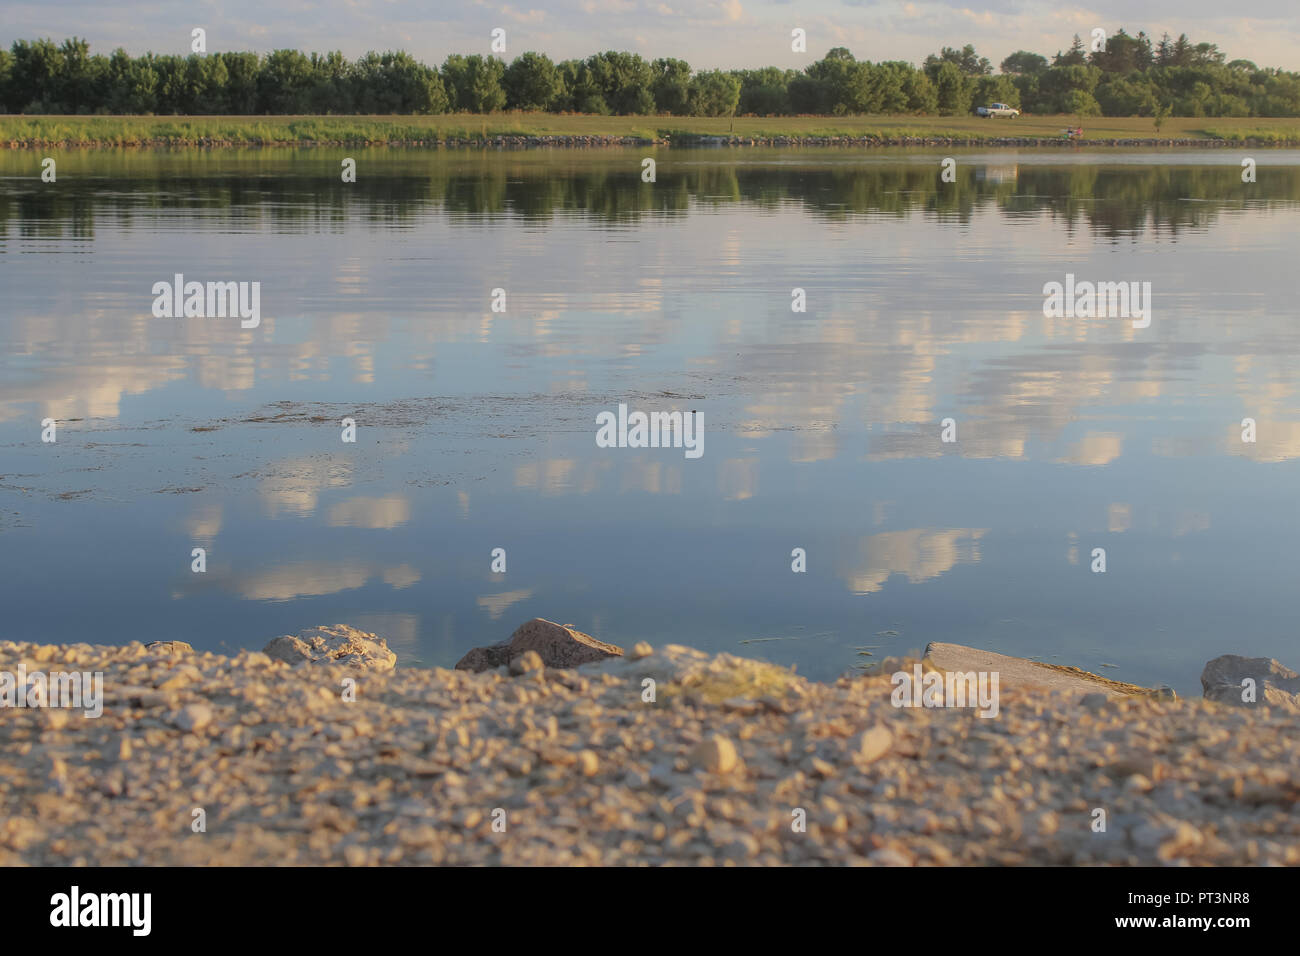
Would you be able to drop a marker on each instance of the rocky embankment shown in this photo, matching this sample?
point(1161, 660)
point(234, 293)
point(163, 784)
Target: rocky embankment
point(318, 751)
point(451, 142)
point(992, 141)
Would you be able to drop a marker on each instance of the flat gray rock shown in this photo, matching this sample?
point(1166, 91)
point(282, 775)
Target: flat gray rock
point(1015, 672)
point(1250, 682)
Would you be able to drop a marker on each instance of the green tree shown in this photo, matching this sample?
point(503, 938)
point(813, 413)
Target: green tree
point(581, 92)
point(996, 89)
point(1075, 56)
point(1080, 103)
point(966, 60)
point(1160, 115)
point(1131, 95)
point(395, 82)
point(953, 90)
point(765, 92)
point(836, 84)
point(671, 85)
point(623, 81)
point(74, 83)
point(532, 83)
point(242, 73)
point(1121, 54)
point(334, 84)
point(34, 76)
point(473, 83)
point(714, 93)
point(1058, 83)
point(1022, 62)
point(922, 97)
point(6, 72)
point(889, 80)
point(284, 84)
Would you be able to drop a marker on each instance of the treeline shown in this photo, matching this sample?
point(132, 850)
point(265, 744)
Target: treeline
point(1128, 76)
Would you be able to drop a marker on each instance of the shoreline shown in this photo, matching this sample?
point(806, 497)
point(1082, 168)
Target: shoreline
point(733, 762)
point(526, 142)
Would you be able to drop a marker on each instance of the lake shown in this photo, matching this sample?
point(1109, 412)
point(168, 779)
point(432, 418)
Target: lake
point(476, 410)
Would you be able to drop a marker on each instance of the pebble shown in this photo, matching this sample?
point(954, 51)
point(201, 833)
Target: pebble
point(529, 662)
point(717, 754)
point(193, 717)
point(875, 743)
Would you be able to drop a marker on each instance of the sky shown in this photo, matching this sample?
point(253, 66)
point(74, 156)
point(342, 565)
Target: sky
point(706, 33)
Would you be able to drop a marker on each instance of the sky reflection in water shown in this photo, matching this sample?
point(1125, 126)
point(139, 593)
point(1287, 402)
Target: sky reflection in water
point(821, 429)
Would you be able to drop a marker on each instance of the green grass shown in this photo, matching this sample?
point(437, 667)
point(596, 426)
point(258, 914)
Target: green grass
point(1269, 135)
point(288, 130)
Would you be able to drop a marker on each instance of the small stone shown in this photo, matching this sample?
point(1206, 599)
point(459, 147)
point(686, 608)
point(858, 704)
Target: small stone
point(588, 763)
point(1186, 838)
point(172, 648)
point(355, 856)
point(193, 717)
point(639, 650)
point(529, 662)
point(875, 743)
point(889, 857)
point(741, 848)
point(1093, 701)
point(717, 754)
point(822, 768)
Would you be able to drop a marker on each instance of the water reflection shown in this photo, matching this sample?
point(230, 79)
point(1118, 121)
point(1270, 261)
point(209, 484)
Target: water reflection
point(300, 192)
point(475, 427)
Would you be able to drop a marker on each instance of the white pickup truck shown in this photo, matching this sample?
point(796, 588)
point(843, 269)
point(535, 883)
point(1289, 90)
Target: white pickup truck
point(998, 109)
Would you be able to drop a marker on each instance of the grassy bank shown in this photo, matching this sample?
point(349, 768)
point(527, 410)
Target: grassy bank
point(571, 129)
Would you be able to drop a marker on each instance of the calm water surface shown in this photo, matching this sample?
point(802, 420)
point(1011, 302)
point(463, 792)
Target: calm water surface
point(822, 428)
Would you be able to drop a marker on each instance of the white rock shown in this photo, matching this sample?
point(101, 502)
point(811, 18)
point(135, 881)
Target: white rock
point(875, 743)
point(337, 643)
point(193, 717)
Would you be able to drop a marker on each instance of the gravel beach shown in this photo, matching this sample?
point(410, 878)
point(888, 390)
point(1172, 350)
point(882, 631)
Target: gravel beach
point(733, 762)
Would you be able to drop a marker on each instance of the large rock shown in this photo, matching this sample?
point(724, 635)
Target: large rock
point(1016, 672)
point(1275, 684)
point(335, 644)
point(557, 645)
